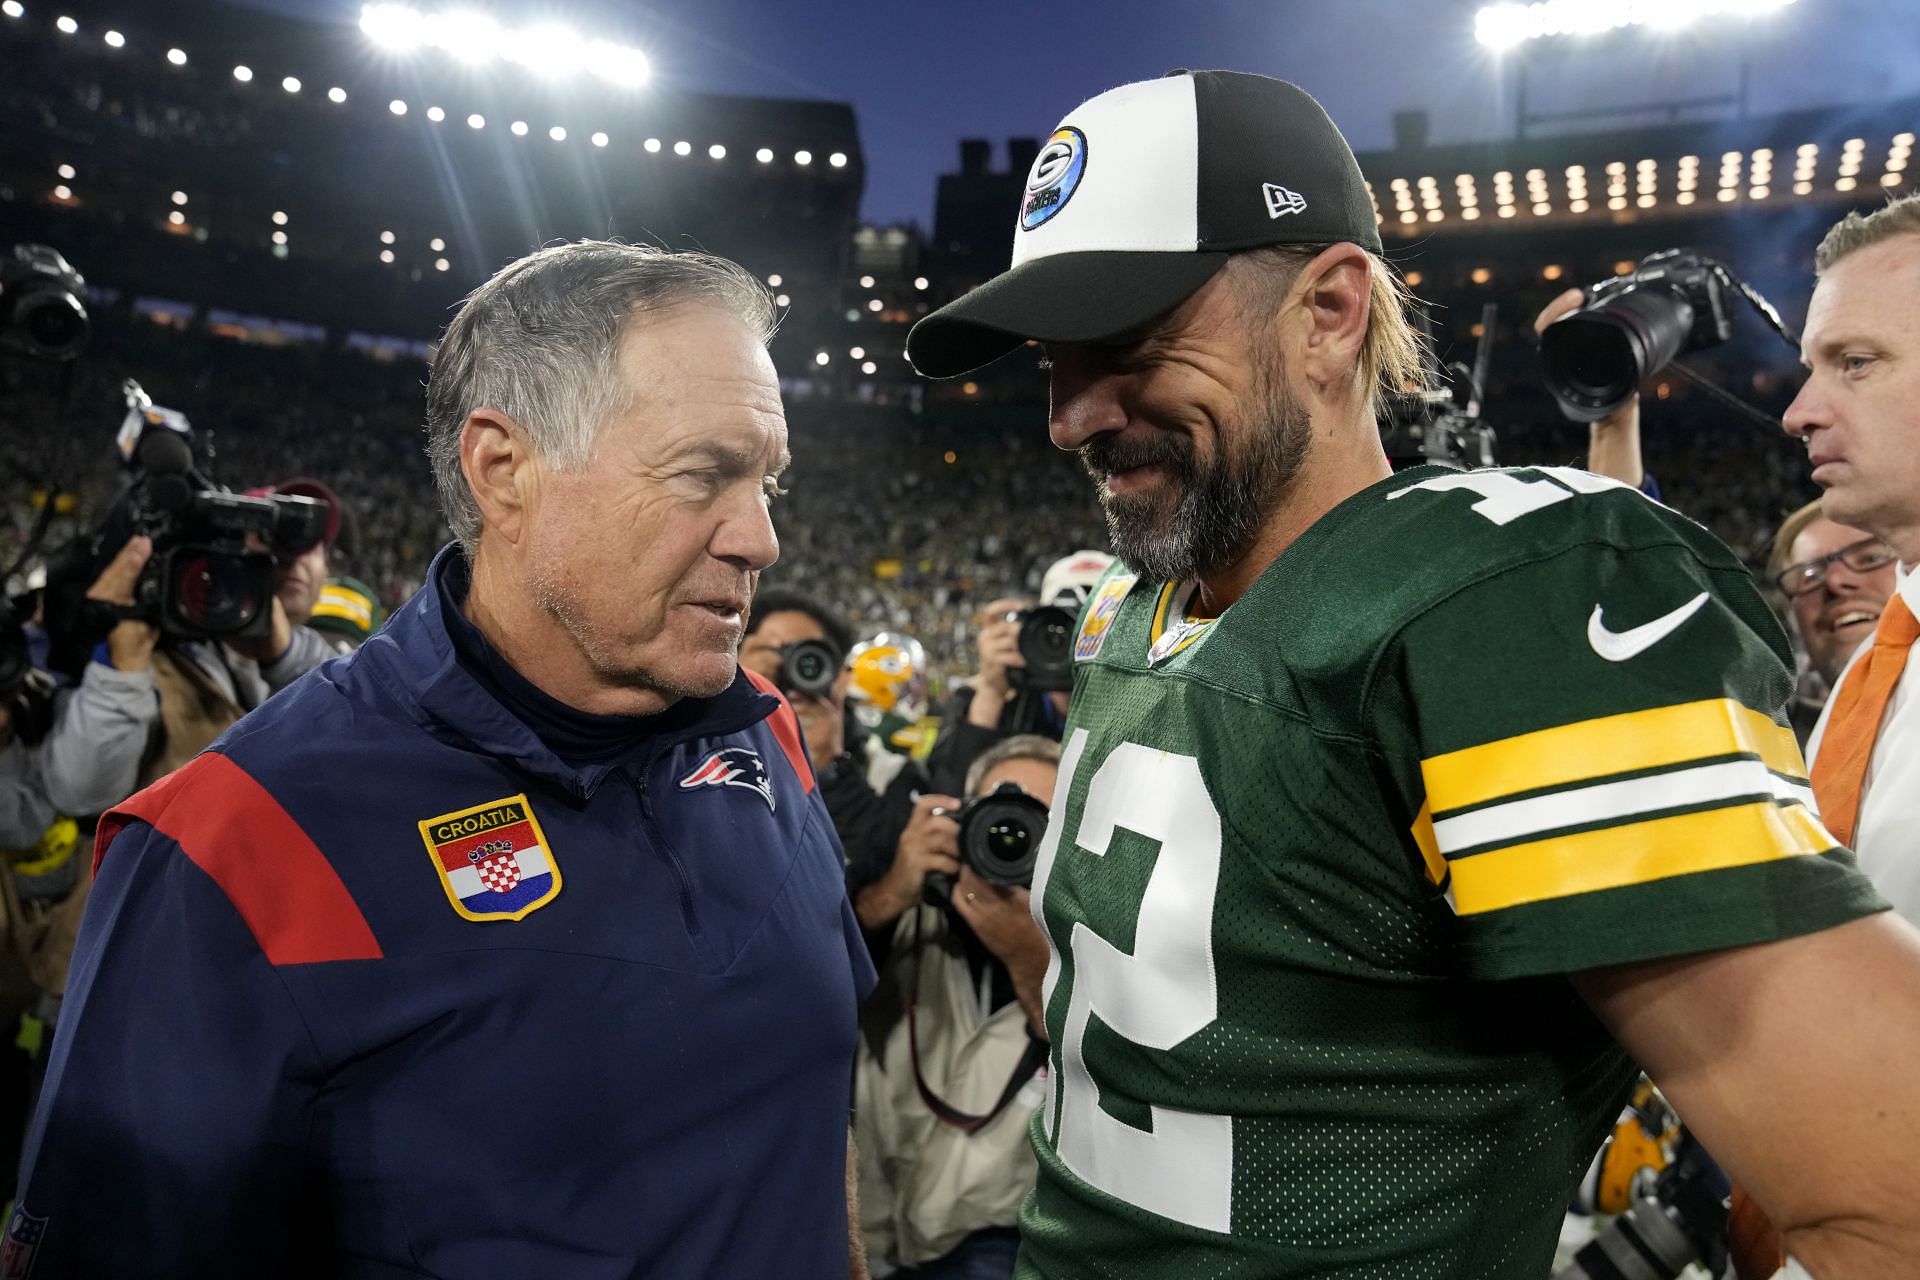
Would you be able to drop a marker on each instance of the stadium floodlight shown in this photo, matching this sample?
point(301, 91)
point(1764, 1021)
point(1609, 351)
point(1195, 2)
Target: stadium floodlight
point(63, 192)
point(13, 9)
point(618, 64)
point(441, 264)
point(782, 300)
point(875, 305)
point(279, 218)
point(178, 57)
point(291, 84)
point(398, 106)
point(66, 25)
point(838, 159)
point(764, 155)
point(279, 237)
point(387, 237)
point(803, 157)
point(437, 245)
point(176, 219)
point(869, 367)
point(651, 144)
point(393, 26)
point(386, 256)
point(858, 353)
point(115, 40)
point(67, 171)
point(436, 115)
point(336, 95)
point(467, 37)
point(683, 148)
point(476, 121)
point(599, 139)
point(717, 151)
point(921, 282)
point(1504, 26)
point(548, 49)
point(243, 73)
point(518, 128)
point(774, 280)
point(866, 282)
point(822, 359)
point(557, 133)
point(180, 197)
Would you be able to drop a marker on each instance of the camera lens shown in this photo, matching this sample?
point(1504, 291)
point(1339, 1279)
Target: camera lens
point(1046, 643)
point(1000, 835)
point(55, 324)
point(214, 593)
point(1594, 359)
point(809, 667)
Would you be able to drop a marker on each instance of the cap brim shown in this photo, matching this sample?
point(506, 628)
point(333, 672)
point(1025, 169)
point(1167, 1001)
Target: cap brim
point(1067, 297)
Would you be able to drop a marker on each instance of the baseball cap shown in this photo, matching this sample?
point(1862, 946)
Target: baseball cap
point(1075, 575)
point(347, 607)
point(1139, 198)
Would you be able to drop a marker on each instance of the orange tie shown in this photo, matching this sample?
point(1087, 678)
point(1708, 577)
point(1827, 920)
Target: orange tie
point(1855, 722)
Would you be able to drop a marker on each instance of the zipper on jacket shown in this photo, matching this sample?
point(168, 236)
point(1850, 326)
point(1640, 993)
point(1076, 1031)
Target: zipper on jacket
point(639, 788)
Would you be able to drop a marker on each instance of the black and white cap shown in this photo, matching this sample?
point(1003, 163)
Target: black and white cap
point(1138, 198)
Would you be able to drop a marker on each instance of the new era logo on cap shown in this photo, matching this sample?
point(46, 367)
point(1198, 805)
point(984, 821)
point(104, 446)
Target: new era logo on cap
point(1280, 201)
point(1139, 197)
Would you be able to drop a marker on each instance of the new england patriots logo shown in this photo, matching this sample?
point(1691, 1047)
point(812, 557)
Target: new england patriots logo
point(732, 767)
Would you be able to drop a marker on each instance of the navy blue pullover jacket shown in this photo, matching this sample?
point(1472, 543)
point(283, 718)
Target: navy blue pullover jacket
point(379, 987)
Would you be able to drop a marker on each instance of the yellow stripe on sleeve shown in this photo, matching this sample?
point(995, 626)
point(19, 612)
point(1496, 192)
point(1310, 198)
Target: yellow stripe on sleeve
point(1597, 748)
point(1423, 835)
point(1636, 853)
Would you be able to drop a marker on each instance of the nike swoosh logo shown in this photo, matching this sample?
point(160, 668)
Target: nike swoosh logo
point(1618, 646)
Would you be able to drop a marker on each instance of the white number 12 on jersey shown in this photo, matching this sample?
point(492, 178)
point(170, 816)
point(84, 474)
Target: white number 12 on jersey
point(1157, 997)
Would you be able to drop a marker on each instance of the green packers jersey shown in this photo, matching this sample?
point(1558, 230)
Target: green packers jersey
point(1319, 868)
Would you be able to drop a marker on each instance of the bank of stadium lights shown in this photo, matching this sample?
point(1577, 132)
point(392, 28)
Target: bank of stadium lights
point(546, 49)
point(1504, 26)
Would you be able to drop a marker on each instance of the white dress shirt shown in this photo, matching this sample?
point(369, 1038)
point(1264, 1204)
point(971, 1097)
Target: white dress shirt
point(1886, 837)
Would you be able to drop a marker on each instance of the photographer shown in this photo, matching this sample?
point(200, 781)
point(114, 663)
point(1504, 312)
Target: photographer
point(868, 790)
point(1004, 699)
point(944, 1082)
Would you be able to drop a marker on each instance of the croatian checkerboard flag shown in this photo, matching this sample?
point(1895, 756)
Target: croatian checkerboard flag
point(498, 872)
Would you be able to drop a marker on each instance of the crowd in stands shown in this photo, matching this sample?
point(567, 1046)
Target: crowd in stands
point(906, 521)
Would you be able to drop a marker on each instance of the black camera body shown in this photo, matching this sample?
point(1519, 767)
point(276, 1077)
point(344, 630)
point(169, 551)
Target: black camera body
point(1000, 835)
point(1594, 359)
point(1046, 643)
point(809, 667)
point(215, 553)
point(41, 313)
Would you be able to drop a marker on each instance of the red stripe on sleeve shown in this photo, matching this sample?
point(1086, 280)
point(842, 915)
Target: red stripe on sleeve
point(230, 827)
point(786, 729)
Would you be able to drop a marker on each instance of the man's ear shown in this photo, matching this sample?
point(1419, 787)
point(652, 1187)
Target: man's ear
point(1335, 292)
point(501, 469)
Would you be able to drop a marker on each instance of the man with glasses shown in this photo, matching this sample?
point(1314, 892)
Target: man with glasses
point(1836, 580)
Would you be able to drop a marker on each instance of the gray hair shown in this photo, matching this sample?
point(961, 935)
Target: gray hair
point(1854, 233)
point(540, 343)
point(1021, 746)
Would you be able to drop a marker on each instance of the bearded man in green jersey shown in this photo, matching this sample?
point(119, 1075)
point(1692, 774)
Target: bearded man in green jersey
point(1398, 815)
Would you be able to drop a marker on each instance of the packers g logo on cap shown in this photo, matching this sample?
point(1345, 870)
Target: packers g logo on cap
point(1054, 177)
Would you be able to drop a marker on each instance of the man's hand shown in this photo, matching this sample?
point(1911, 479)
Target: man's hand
point(1613, 443)
point(999, 653)
point(1002, 917)
point(931, 842)
point(130, 643)
point(823, 722)
point(271, 647)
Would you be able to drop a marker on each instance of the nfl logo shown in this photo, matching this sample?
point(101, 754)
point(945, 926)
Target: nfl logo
point(493, 860)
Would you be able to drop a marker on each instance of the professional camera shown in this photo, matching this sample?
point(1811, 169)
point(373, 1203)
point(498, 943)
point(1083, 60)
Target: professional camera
point(214, 552)
point(40, 309)
point(1046, 642)
point(1000, 835)
point(1595, 358)
point(809, 667)
point(1443, 424)
point(26, 693)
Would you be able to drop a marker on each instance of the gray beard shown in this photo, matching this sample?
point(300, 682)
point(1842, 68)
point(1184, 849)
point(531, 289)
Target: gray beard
point(1218, 507)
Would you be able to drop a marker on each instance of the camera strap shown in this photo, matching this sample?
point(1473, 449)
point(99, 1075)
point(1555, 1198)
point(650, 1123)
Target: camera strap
point(1023, 1071)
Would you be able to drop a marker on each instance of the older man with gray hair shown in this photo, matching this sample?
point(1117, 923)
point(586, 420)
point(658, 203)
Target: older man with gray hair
point(515, 944)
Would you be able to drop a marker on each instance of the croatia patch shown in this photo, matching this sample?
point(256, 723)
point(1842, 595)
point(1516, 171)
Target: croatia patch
point(493, 860)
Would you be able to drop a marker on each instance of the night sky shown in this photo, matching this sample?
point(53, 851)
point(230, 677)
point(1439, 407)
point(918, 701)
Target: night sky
point(922, 74)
